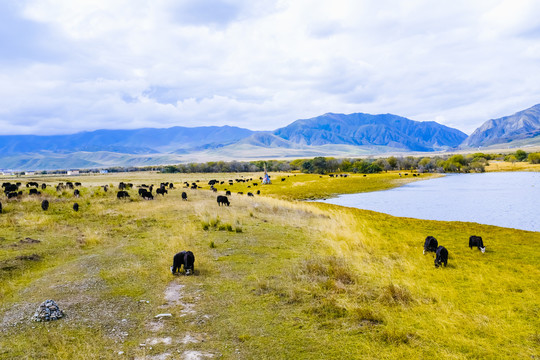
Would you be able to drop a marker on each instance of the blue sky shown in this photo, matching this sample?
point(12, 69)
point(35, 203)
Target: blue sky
point(76, 65)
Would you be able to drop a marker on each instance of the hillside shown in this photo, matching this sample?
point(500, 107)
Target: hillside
point(521, 125)
point(138, 141)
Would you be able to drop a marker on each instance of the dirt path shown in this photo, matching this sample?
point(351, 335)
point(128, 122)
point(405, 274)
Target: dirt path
point(176, 346)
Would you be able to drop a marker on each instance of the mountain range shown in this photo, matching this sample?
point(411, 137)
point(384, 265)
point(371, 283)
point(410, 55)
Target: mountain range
point(326, 135)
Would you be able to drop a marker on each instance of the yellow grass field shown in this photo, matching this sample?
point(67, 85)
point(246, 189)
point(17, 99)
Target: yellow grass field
point(275, 277)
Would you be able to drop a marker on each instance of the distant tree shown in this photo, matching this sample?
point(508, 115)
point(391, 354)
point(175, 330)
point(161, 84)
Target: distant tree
point(511, 158)
point(534, 158)
point(521, 155)
point(392, 161)
point(170, 169)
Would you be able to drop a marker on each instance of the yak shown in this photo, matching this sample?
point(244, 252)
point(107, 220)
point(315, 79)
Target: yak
point(430, 245)
point(476, 241)
point(441, 256)
point(184, 196)
point(222, 200)
point(45, 205)
point(122, 194)
point(185, 258)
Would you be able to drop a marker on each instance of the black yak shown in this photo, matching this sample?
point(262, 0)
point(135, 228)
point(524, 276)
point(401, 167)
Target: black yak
point(184, 196)
point(476, 241)
point(161, 191)
point(76, 207)
point(45, 205)
point(122, 194)
point(185, 258)
point(430, 245)
point(222, 200)
point(441, 256)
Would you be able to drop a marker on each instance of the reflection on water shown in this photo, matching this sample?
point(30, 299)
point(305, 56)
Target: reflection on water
point(510, 199)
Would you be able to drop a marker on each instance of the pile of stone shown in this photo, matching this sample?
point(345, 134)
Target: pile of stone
point(48, 311)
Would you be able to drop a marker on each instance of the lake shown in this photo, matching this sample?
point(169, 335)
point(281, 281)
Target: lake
point(507, 199)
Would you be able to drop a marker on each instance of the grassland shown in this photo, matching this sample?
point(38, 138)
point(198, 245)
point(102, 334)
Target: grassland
point(275, 278)
point(495, 166)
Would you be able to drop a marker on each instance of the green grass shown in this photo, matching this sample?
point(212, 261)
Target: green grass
point(292, 280)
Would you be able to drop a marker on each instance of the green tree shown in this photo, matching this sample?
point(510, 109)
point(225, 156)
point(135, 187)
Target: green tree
point(521, 155)
point(534, 158)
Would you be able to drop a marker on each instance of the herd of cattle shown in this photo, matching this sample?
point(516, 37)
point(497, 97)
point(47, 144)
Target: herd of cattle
point(14, 191)
point(441, 253)
point(186, 258)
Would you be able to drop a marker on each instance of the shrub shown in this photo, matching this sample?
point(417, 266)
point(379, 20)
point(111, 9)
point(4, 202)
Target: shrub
point(534, 158)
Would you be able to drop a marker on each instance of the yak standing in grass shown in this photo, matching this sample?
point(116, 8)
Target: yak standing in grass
point(223, 200)
point(184, 196)
point(0, 207)
point(476, 241)
point(76, 207)
point(45, 205)
point(441, 256)
point(122, 194)
point(430, 245)
point(185, 258)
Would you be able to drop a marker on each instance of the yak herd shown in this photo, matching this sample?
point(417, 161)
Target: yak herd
point(441, 253)
point(186, 259)
point(183, 259)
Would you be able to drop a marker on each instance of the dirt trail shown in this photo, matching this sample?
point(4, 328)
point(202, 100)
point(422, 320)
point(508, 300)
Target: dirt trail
point(176, 344)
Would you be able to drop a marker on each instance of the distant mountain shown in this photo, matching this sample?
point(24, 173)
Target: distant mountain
point(327, 135)
point(140, 141)
point(364, 129)
point(522, 125)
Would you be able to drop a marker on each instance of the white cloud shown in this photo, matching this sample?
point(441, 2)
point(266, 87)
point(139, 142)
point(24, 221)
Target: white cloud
point(264, 64)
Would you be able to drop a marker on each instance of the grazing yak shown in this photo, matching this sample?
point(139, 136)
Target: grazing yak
point(43, 186)
point(34, 192)
point(10, 187)
point(184, 196)
point(122, 194)
point(77, 193)
point(228, 193)
point(249, 194)
point(441, 256)
point(11, 195)
point(185, 258)
point(476, 241)
point(161, 191)
point(146, 195)
point(0, 207)
point(222, 200)
point(430, 245)
point(258, 192)
point(45, 205)
point(76, 207)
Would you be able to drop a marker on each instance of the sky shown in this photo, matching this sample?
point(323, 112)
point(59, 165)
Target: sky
point(79, 65)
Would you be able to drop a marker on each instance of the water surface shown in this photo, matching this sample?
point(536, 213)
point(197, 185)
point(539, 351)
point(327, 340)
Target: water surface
point(507, 199)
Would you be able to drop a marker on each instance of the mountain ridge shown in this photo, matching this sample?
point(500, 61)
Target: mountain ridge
point(330, 134)
point(521, 125)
